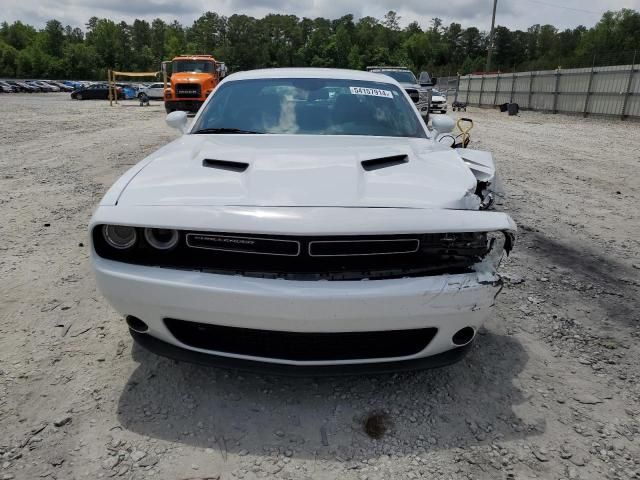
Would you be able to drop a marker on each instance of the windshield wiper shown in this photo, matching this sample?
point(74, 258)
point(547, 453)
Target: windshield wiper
point(225, 130)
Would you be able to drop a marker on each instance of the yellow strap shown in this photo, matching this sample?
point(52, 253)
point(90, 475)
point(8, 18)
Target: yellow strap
point(136, 74)
point(464, 131)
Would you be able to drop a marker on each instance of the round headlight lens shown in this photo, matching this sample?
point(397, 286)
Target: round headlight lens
point(120, 237)
point(161, 238)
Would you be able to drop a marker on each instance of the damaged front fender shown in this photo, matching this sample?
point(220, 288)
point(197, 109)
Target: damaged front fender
point(500, 243)
point(483, 167)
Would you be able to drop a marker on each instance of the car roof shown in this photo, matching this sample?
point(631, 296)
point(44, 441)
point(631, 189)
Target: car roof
point(389, 69)
point(335, 73)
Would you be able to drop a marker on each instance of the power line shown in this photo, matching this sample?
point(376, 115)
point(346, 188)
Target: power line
point(493, 26)
point(563, 7)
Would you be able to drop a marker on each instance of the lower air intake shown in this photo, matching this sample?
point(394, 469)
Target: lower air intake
point(301, 346)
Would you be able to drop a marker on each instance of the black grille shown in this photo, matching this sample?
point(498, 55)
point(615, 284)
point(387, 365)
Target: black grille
point(255, 245)
point(414, 94)
point(339, 248)
point(187, 90)
point(309, 258)
point(298, 346)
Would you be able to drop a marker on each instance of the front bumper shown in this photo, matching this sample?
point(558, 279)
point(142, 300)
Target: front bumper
point(169, 350)
point(447, 303)
point(183, 105)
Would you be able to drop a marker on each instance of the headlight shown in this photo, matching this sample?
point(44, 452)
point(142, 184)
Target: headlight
point(119, 237)
point(161, 238)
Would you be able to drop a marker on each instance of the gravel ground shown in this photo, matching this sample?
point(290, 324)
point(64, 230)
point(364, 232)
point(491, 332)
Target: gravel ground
point(550, 390)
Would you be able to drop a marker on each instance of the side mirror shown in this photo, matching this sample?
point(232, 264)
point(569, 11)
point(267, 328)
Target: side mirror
point(177, 120)
point(443, 124)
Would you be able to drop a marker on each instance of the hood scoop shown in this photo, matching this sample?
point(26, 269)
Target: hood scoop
point(385, 162)
point(225, 165)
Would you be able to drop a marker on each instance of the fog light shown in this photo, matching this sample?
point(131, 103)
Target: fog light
point(161, 238)
point(464, 336)
point(119, 236)
point(136, 324)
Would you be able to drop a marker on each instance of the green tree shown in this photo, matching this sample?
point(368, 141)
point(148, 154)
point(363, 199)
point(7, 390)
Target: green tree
point(8, 60)
point(342, 47)
point(104, 37)
point(54, 38)
point(158, 40)
point(80, 61)
point(18, 35)
point(208, 33)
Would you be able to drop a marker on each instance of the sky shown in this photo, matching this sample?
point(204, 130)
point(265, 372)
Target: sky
point(510, 13)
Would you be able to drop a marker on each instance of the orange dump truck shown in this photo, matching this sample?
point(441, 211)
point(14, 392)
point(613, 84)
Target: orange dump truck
point(193, 78)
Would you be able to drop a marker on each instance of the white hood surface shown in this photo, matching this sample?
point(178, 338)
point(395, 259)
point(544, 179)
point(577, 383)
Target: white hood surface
point(302, 171)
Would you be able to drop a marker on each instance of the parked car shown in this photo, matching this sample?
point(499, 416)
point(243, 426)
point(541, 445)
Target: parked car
point(438, 102)
point(421, 96)
point(44, 87)
point(7, 88)
point(73, 85)
point(307, 218)
point(24, 87)
point(52, 87)
point(37, 87)
point(155, 90)
point(97, 91)
point(61, 86)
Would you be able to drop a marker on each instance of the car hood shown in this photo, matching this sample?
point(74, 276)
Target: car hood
point(411, 85)
point(299, 171)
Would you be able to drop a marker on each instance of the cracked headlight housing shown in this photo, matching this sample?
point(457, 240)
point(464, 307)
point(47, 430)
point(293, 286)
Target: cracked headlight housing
point(497, 247)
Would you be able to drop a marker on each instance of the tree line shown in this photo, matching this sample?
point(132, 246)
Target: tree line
point(245, 42)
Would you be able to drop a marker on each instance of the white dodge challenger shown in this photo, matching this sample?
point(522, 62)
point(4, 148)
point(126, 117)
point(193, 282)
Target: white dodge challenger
point(307, 220)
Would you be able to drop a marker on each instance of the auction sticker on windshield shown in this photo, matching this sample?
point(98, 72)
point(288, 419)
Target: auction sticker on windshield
point(374, 92)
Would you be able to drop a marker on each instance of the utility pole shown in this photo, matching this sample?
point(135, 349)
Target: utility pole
point(493, 25)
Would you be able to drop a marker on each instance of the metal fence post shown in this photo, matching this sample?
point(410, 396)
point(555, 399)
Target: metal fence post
point(513, 86)
point(109, 87)
point(629, 84)
point(530, 91)
point(468, 88)
point(481, 91)
point(556, 92)
point(585, 111)
point(495, 94)
point(457, 88)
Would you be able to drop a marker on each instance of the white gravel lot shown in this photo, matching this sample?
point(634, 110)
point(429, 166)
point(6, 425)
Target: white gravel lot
point(550, 390)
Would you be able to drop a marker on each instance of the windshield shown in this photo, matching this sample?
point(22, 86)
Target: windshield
point(195, 66)
point(425, 78)
point(401, 76)
point(310, 106)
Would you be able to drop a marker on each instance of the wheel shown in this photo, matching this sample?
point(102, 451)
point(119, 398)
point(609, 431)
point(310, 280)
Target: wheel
point(79, 96)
